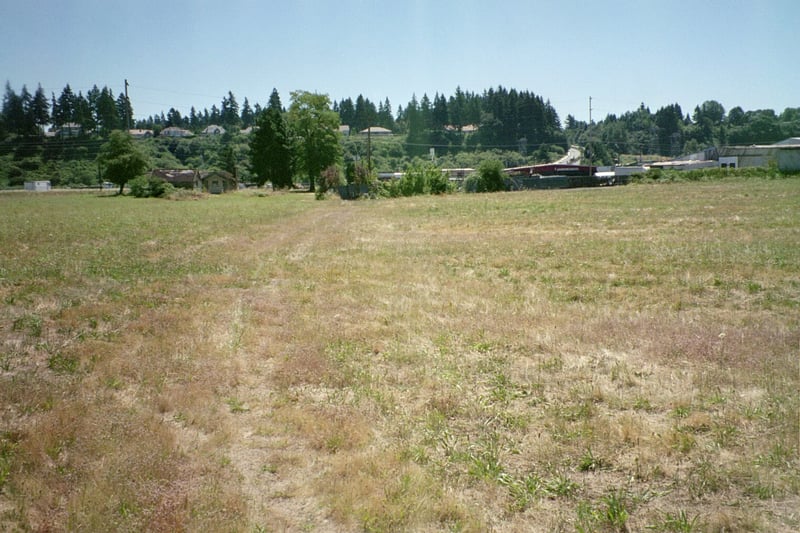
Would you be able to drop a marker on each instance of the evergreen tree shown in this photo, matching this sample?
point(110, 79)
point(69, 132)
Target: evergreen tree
point(385, 118)
point(439, 117)
point(271, 157)
point(194, 120)
point(229, 115)
point(347, 113)
point(125, 111)
point(247, 114)
point(83, 114)
point(64, 107)
point(457, 108)
point(13, 111)
point(106, 112)
point(365, 114)
point(426, 112)
point(174, 118)
point(40, 109)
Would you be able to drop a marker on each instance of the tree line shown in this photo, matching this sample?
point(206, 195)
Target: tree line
point(671, 132)
point(495, 119)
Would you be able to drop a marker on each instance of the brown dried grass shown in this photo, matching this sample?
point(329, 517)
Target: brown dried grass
point(427, 364)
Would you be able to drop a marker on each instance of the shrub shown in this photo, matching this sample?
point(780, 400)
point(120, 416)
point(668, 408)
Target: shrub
point(488, 179)
point(421, 178)
point(150, 187)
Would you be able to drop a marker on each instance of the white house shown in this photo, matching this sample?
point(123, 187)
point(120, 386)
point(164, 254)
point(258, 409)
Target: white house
point(376, 130)
point(174, 131)
point(213, 129)
point(140, 134)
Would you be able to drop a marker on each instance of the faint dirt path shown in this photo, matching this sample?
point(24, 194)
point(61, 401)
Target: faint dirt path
point(276, 471)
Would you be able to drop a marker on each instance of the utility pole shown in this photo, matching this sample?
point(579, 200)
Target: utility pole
point(587, 135)
point(127, 106)
point(369, 149)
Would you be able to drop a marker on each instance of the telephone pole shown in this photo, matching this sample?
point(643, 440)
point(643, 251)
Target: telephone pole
point(587, 135)
point(128, 105)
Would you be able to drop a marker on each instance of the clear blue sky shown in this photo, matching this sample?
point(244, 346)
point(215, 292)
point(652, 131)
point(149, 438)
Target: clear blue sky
point(179, 53)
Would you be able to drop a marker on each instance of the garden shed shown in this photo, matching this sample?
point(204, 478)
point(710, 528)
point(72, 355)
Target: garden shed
point(38, 186)
point(218, 182)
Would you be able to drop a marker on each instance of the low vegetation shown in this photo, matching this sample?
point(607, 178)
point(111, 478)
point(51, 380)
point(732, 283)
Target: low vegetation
point(614, 359)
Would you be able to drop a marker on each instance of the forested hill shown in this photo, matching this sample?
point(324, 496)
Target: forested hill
point(521, 125)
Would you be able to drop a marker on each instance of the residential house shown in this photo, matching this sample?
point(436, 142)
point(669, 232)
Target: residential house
point(174, 131)
point(140, 134)
point(70, 129)
point(376, 130)
point(213, 129)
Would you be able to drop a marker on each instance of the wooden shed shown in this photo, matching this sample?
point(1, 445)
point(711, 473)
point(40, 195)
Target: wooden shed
point(218, 181)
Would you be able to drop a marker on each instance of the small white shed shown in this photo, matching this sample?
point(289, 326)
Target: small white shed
point(38, 186)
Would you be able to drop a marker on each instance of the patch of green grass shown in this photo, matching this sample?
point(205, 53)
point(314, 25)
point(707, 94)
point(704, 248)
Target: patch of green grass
point(679, 522)
point(236, 406)
point(589, 462)
point(63, 364)
point(30, 324)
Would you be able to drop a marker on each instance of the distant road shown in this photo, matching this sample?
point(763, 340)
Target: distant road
point(572, 157)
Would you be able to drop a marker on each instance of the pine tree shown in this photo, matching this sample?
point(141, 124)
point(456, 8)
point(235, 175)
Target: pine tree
point(247, 114)
point(13, 111)
point(271, 156)
point(40, 109)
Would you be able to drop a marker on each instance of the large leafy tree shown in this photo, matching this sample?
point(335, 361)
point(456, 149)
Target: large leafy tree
point(270, 146)
point(121, 160)
point(316, 129)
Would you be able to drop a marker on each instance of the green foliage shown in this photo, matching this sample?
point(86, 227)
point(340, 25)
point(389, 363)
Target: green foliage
point(419, 178)
point(359, 174)
point(150, 187)
point(676, 523)
point(316, 131)
point(120, 160)
point(63, 364)
point(271, 156)
point(7, 450)
point(489, 178)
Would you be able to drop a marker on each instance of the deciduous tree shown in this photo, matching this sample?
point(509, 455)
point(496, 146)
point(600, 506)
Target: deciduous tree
point(316, 130)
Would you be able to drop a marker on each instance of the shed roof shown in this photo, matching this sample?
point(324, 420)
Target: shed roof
point(175, 175)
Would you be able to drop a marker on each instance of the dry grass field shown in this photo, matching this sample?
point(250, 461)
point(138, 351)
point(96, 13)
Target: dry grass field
point(618, 359)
